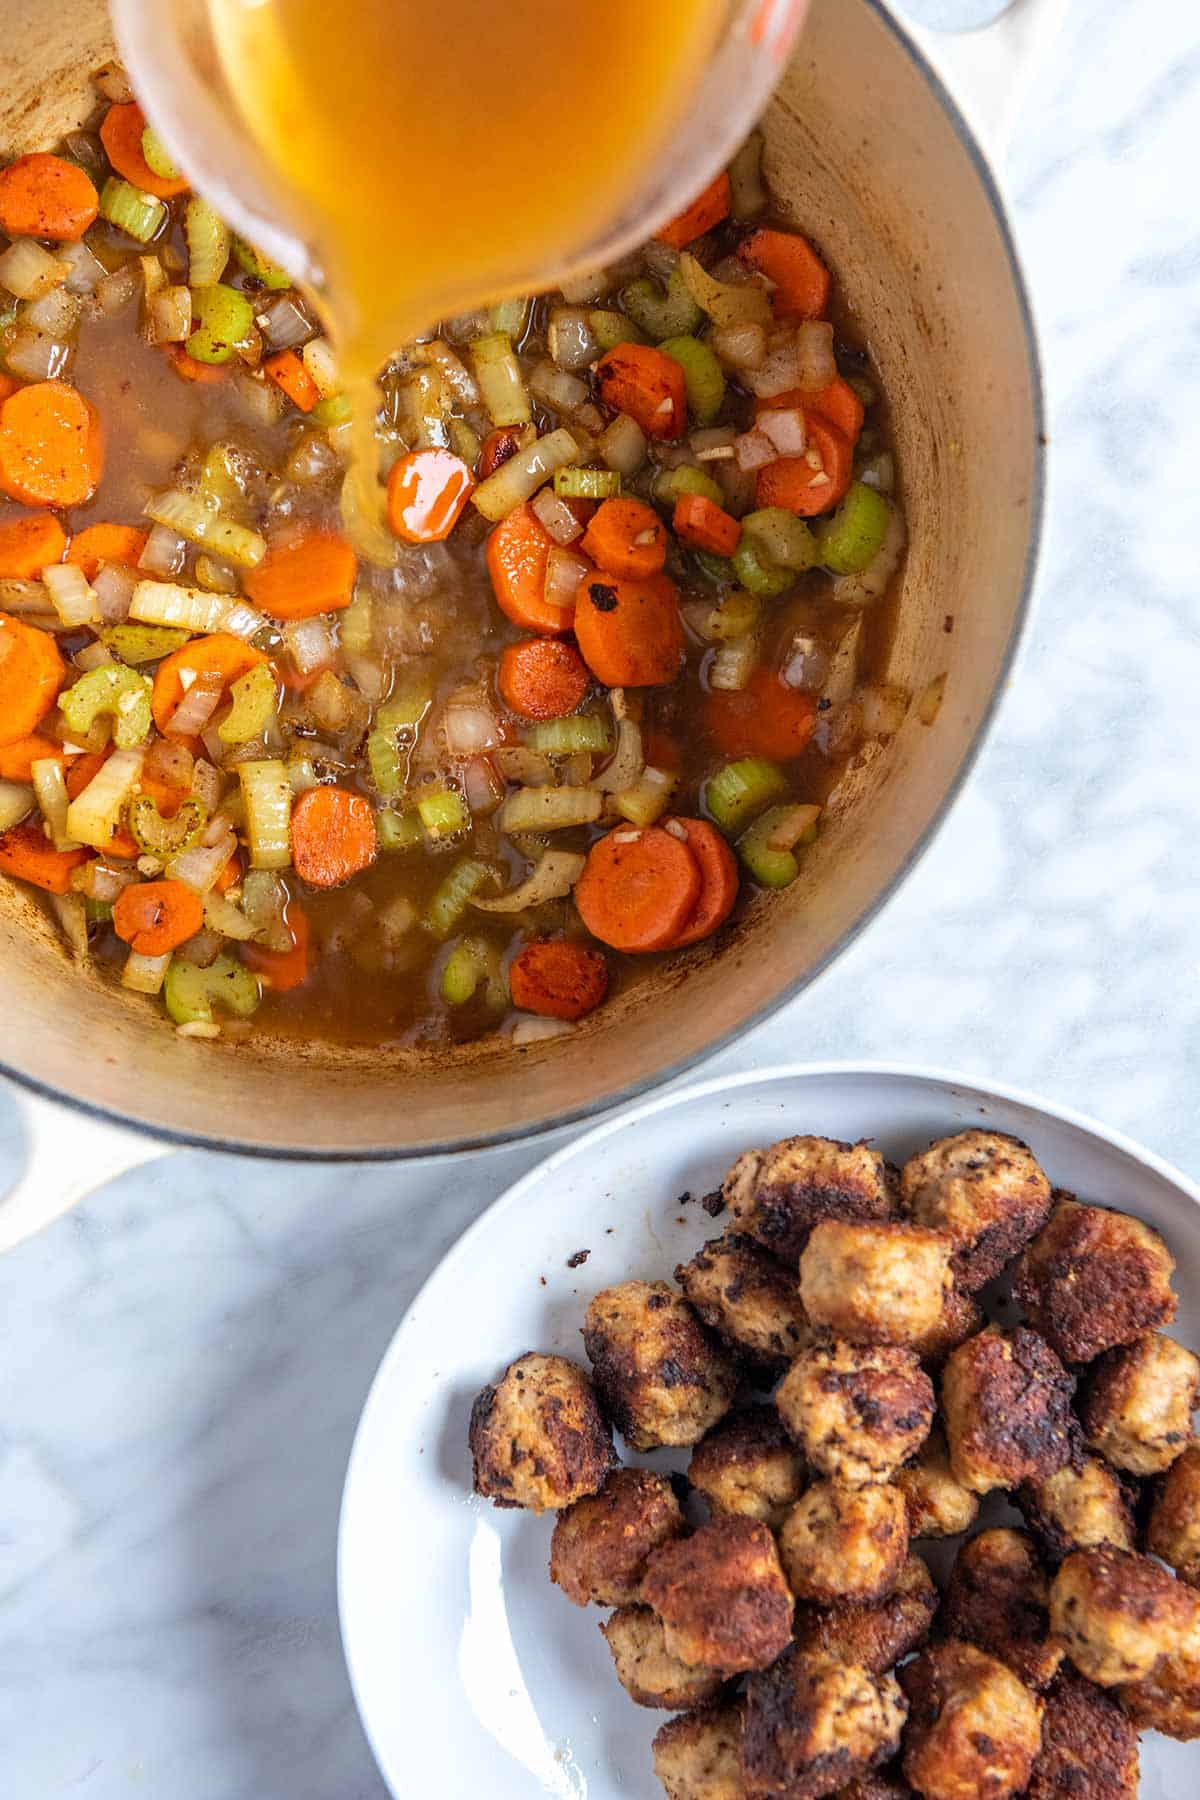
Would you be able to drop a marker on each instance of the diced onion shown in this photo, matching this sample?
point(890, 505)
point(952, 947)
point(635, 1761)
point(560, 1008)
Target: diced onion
point(164, 552)
point(169, 316)
point(71, 594)
point(739, 346)
point(56, 313)
point(145, 974)
point(623, 445)
point(28, 270)
point(626, 763)
point(206, 783)
point(111, 80)
point(468, 728)
point(564, 574)
point(199, 867)
point(786, 430)
point(86, 270)
point(198, 705)
point(555, 388)
point(16, 803)
point(223, 916)
point(518, 763)
point(807, 665)
point(522, 475)
point(93, 815)
point(726, 303)
point(552, 879)
point(715, 444)
point(318, 358)
point(569, 337)
point(804, 359)
point(557, 517)
point(310, 643)
point(579, 289)
point(284, 323)
point(34, 356)
point(550, 809)
point(733, 664)
point(50, 787)
point(754, 450)
point(118, 290)
point(533, 1030)
point(455, 374)
point(243, 620)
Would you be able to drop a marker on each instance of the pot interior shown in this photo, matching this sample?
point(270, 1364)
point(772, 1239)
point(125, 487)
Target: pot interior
point(864, 155)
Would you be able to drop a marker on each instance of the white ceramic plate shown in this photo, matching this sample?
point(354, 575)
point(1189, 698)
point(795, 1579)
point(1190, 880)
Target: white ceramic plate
point(474, 1676)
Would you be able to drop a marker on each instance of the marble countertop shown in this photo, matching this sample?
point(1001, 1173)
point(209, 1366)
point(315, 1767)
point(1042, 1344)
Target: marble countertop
point(185, 1356)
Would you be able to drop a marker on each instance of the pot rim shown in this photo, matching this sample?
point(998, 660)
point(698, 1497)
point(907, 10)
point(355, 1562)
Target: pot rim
point(596, 1109)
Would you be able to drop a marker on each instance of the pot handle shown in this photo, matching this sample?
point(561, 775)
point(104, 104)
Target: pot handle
point(988, 69)
point(68, 1155)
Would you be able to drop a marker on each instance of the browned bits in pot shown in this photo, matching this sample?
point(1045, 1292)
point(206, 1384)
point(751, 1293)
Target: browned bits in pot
point(1093, 1279)
point(998, 1599)
point(876, 1634)
point(1006, 1400)
point(1137, 1411)
point(660, 1375)
point(973, 1729)
point(649, 1671)
point(985, 1191)
point(779, 1194)
point(843, 1543)
point(537, 1437)
point(749, 1298)
point(599, 1548)
point(722, 1596)
point(856, 1413)
point(813, 1724)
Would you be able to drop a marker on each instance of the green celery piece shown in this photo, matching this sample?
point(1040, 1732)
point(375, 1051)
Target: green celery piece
point(143, 643)
point(702, 373)
point(165, 837)
point(770, 868)
point(121, 692)
point(397, 830)
point(191, 993)
point(443, 814)
point(662, 315)
point(758, 575)
point(611, 328)
point(735, 793)
point(850, 541)
point(780, 537)
point(673, 484)
point(259, 267)
point(451, 897)
point(222, 318)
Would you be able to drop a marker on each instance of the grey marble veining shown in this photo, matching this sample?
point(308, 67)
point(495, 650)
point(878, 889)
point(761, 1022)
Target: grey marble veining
point(185, 1357)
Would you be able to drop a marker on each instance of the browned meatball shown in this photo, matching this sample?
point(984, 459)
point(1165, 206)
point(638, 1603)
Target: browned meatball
point(845, 1543)
point(974, 1730)
point(749, 1298)
point(880, 1785)
point(697, 1756)
point(1094, 1279)
point(722, 1596)
point(1082, 1506)
point(661, 1377)
point(779, 1194)
point(1167, 1701)
point(1006, 1402)
point(875, 1282)
point(1118, 1614)
point(875, 1634)
point(599, 1548)
point(1137, 1411)
point(1174, 1528)
point(538, 1438)
point(962, 1317)
point(857, 1413)
point(646, 1668)
point(748, 1464)
point(985, 1191)
point(813, 1724)
point(938, 1503)
point(1089, 1748)
point(998, 1599)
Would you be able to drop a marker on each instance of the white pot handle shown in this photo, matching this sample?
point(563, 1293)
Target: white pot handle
point(67, 1156)
point(988, 70)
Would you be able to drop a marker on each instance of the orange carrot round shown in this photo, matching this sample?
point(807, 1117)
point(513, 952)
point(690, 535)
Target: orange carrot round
point(333, 836)
point(558, 979)
point(25, 851)
point(707, 210)
point(649, 386)
point(17, 759)
point(838, 404)
point(626, 537)
point(121, 135)
point(426, 493)
point(309, 574)
point(638, 889)
point(104, 543)
point(29, 545)
point(765, 718)
point(44, 196)
point(155, 917)
point(282, 970)
point(221, 654)
point(815, 482)
point(630, 632)
point(718, 879)
point(31, 673)
point(51, 446)
point(704, 525)
point(801, 278)
point(517, 553)
point(191, 369)
point(542, 678)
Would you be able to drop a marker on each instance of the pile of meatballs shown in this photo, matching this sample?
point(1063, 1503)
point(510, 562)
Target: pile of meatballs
point(807, 1650)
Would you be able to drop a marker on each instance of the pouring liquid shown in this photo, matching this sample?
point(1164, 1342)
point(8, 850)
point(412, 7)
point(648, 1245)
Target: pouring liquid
point(438, 157)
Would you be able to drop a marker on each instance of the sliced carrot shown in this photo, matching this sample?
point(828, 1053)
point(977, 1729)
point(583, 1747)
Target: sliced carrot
point(801, 278)
point(230, 875)
point(289, 374)
point(155, 917)
point(106, 543)
point(51, 446)
point(638, 889)
point(221, 654)
point(31, 673)
point(193, 370)
point(44, 196)
point(333, 836)
point(765, 718)
point(838, 404)
point(704, 525)
point(17, 759)
point(718, 879)
point(517, 553)
point(166, 796)
point(630, 632)
point(121, 134)
point(558, 979)
point(282, 970)
point(626, 537)
point(426, 493)
point(26, 852)
point(707, 209)
point(301, 576)
point(542, 678)
point(642, 382)
point(29, 545)
point(81, 770)
point(815, 482)
point(497, 447)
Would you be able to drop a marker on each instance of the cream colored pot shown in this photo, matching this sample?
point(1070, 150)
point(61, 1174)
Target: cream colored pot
point(867, 151)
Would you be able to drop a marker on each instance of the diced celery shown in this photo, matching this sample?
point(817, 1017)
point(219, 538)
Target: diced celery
point(259, 267)
point(443, 814)
point(472, 961)
point(781, 538)
point(563, 737)
point(222, 318)
point(673, 314)
point(267, 797)
point(509, 316)
point(165, 837)
point(208, 243)
point(703, 374)
point(121, 693)
point(142, 643)
point(772, 864)
point(672, 484)
point(757, 574)
point(97, 912)
point(452, 896)
point(191, 993)
point(501, 382)
point(140, 216)
point(355, 625)
point(717, 569)
point(157, 156)
point(852, 539)
point(648, 798)
point(735, 793)
point(587, 484)
point(255, 697)
point(611, 328)
point(735, 616)
point(387, 762)
point(334, 410)
point(398, 831)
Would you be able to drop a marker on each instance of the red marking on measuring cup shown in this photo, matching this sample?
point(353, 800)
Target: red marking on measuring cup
point(775, 24)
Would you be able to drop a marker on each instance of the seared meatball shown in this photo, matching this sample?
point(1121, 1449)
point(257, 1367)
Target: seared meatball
point(1089, 1748)
point(973, 1730)
point(661, 1377)
point(857, 1413)
point(749, 1298)
point(998, 1599)
point(538, 1438)
point(985, 1191)
point(697, 1757)
point(647, 1670)
point(875, 1634)
point(1167, 1701)
point(1137, 1411)
point(813, 1724)
point(1118, 1614)
point(1094, 1279)
point(722, 1596)
point(961, 1318)
point(599, 1548)
point(875, 1283)
point(1082, 1506)
point(1006, 1400)
point(845, 1543)
point(779, 1194)
point(880, 1785)
point(1174, 1528)
point(938, 1503)
point(748, 1464)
